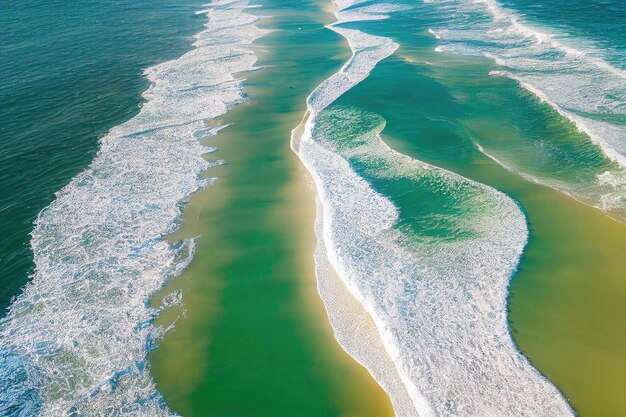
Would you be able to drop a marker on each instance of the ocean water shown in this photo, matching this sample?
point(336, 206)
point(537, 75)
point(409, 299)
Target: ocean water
point(600, 22)
point(578, 72)
point(75, 340)
point(439, 72)
point(428, 253)
point(68, 73)
point(462, 149)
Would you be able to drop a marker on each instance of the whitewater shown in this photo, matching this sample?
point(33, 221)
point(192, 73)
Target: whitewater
point(572, 75)
point(438, 302)
point(75, 342)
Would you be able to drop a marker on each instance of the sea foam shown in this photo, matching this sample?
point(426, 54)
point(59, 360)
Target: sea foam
point(571, 75)
point(438, 300)
point(75, 341)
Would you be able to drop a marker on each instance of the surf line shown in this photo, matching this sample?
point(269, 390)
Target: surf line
point(76, 340)
point(538, 60)
point(439, 310)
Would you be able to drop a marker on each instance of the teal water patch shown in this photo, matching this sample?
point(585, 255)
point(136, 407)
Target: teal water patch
point(75, 341)
point(432, 208)
point(439, 303)
point(582, 78)
point(68, 73)
point(462, 106)
point(530, 138)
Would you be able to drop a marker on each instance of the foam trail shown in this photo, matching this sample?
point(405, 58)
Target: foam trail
point(435, 285)
point(571, 76)
point(75, 341)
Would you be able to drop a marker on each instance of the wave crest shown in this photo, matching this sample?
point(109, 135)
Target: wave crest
point(75, 341)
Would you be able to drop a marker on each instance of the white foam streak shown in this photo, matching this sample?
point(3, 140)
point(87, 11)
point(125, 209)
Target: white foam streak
point(500, 13)
point(75, 341)
point(612, 182)
point(593, 129)
point(440, 308)
point(435, 34)
point(372, 49)
point(575, 80)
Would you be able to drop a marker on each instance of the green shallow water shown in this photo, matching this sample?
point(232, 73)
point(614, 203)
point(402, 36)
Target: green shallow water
point(568, 299)
point(251, 344)
point(254, 340)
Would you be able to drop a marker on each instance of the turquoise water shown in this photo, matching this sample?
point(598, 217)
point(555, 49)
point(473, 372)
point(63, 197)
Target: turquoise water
point(76, 339)
point(68, 73)
point(466, 85)
point(535, 90)
point(600, 21)
point(579, 73)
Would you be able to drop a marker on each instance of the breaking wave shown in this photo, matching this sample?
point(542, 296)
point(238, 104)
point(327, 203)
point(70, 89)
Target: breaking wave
point(428, 254)
point(75, 341)
point(571, 75)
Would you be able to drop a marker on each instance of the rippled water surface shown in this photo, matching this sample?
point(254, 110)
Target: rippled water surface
point(469, 159)
point(68, 73)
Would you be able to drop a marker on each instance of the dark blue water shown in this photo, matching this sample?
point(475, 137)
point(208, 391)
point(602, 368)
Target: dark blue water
point(69, 71)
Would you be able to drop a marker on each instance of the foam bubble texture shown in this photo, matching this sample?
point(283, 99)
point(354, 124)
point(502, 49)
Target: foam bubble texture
point(439, 303)
point(571, 75)
point(75, 341)
point(438, 300)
